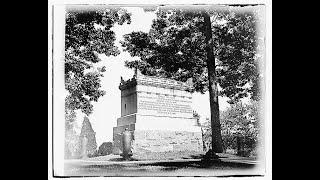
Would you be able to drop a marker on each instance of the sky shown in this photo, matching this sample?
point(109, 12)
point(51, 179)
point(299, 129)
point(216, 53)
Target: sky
point(107, 109)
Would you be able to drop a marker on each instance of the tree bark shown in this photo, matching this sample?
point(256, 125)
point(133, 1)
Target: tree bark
point(213, 88)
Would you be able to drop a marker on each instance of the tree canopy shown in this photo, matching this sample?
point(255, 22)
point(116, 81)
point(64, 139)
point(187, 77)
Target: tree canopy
point(175, 47)
point(213, 47)
point(88, 33)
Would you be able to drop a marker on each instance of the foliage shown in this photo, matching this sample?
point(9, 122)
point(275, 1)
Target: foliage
point(175, 48)
point(241, 121)
point(87, 34)
point(71, 138)
point(70, 116)
point(105, 149)
point(184, 43)
point(72, 145)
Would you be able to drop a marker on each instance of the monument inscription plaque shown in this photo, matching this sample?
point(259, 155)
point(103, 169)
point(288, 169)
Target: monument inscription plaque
point(159, 113)
point(164, 105)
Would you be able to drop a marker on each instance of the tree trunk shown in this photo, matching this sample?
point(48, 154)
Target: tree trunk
point(213, 88)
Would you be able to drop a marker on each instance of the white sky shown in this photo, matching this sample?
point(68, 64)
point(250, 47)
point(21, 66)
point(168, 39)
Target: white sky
point(107, 109)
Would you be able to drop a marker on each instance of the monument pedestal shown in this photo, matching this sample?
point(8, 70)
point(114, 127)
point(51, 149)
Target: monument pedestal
point(158, 112)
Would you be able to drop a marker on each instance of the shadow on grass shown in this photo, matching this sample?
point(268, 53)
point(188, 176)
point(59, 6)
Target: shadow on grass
point(202, 164)
point(128, 168)
point(123, 159)
point(117, 159)
point(199, 156)
point(155, 168)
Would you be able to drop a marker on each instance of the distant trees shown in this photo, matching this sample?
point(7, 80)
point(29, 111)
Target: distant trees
point(240, 128)
point(72, 146)
point(74, 143)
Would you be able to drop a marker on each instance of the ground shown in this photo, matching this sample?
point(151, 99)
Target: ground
point(163, 164)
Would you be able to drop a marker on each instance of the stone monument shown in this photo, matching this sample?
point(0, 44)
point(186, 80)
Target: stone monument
point(159, 114)
point(87, 138)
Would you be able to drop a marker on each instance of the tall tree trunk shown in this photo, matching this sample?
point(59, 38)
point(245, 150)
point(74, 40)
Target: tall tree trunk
point(213, 88)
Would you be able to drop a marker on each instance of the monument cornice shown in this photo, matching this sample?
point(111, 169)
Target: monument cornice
point(139, 79)
point(163, 85)
point(127, 84)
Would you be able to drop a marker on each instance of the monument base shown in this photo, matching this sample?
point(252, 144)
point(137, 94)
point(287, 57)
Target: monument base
point(160, 134)
point(163, 141)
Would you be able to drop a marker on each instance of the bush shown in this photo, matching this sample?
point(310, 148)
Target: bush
point(239, 129)
point(105, 149)
point(94, 154)
point(72, 145)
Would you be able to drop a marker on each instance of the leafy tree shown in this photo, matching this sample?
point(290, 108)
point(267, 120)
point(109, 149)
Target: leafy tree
point(211, 47)
point(88, 33)
point(241, 120)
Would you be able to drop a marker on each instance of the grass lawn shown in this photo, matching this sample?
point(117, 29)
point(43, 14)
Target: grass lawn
point(144, 156)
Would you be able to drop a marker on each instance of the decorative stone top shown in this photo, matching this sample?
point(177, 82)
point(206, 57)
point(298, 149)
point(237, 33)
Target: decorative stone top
point(140, 79)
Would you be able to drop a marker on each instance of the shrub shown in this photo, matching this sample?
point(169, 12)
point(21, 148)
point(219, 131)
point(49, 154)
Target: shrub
point(105, 149)
point(94, 154)
point(239, 129)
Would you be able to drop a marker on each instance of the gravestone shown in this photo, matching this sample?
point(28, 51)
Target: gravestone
point(158, 111)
